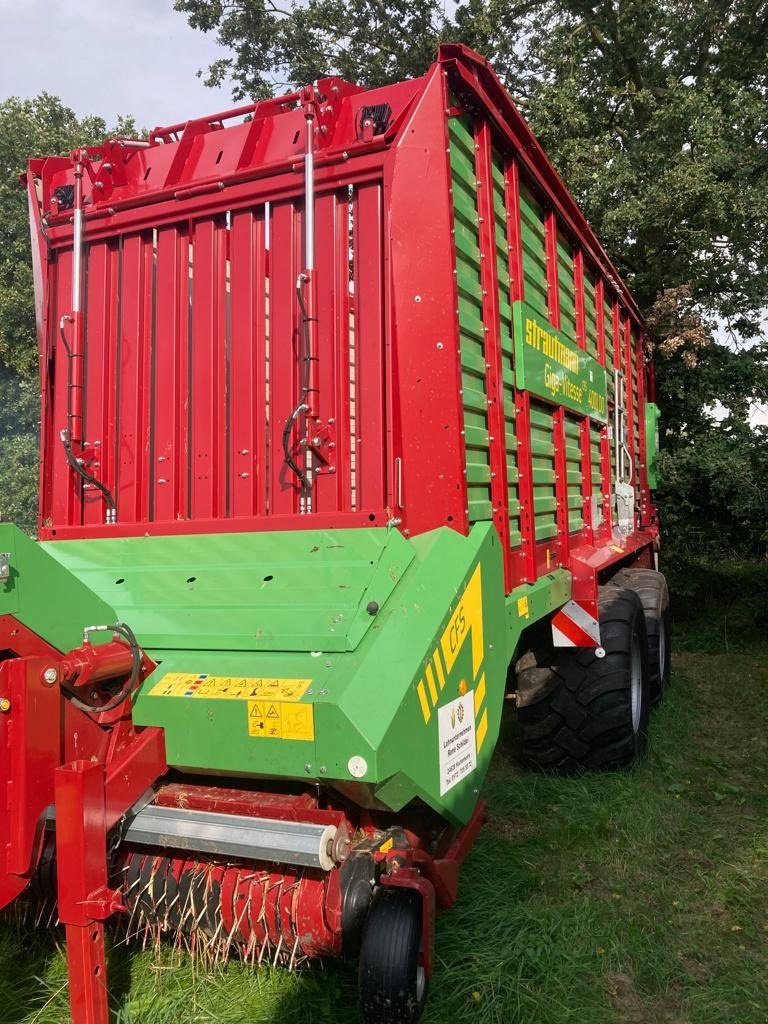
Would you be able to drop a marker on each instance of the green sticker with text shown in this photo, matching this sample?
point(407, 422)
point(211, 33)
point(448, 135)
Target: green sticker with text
point(550, 365)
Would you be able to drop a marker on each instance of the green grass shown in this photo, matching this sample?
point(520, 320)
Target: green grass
point(637, 898)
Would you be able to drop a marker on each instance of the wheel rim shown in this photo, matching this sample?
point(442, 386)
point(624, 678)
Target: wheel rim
point(662, 653)
point(421, 983)
point(636, 684)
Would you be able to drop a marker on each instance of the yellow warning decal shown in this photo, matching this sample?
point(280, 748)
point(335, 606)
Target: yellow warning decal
point(465, 622)
point(482, 729)
point(387, 845)
point(181, 684)
point(467, 619)
point(522, 607)
point(280, 720)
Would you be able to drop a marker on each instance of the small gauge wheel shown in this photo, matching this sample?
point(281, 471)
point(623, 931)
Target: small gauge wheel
point(393, 985)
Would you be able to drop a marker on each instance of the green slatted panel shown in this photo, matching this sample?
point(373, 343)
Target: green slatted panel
point(573, 472)
point(636, 438)
point(534, 253)
point(609, 368)
point(543, 452)
point(507, 368)
point(566, 287)
point(595, 431)
point(590, 313)
point(472, 343)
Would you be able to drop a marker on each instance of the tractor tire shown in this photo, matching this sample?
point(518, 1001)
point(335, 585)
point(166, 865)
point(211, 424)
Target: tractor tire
point(651, 587)
point(581, 712)
point(393, 987)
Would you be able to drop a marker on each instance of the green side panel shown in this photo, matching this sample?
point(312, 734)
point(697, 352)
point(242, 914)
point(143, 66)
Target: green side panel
point(574, 473)
point(44, 596)
point(242, 591)
point(652, 418)
point(590, 314)
point(543, 457)
point(471, 327)
point(534, 252)
point(507, 357)
point(566, 287)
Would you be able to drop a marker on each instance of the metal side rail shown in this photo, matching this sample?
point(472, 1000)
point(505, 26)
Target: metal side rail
point(234, 835)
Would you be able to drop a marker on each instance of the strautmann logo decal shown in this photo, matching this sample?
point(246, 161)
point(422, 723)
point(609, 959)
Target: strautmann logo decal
point(550, 365)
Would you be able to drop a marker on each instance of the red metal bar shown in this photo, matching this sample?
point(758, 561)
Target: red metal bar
point(83, 897)
point(168, 398)
point(130, 438)
point(208, 369)
point(249, 366)
point(371, 417)
point(645, 510)
point(330, 431)
point(421, 325)
point(98, 367)
point(492, 326)
point(523, 567)
point(627, 361)
point(585, 440)
point(285, 350)
point(558, 416)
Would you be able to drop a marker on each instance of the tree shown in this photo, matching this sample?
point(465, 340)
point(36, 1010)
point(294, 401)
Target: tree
point(36, 127)
point(655, 113)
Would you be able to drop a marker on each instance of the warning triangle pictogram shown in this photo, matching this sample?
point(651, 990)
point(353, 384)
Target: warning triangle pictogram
point(256, 711)
point(273, 712)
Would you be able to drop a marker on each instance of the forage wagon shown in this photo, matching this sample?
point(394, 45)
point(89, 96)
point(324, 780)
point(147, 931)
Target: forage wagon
point(347, 434)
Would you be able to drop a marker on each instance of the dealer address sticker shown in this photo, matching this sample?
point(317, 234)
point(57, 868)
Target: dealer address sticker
point(456, 730)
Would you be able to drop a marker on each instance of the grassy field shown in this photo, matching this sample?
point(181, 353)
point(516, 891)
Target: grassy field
point(637, 898)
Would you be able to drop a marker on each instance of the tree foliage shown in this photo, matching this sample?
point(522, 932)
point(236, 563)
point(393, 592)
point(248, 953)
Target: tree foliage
point(35, 127)
point(655, 112)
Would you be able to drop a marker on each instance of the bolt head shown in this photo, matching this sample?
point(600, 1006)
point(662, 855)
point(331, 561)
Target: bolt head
point(5, 704)
point(50, 676)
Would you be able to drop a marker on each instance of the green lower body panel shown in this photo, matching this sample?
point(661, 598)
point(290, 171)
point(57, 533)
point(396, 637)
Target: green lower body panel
point(355, 658)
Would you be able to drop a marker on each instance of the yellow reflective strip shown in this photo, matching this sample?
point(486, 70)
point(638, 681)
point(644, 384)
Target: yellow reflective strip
point(482, 729)
point(479, 694)
point(431, 685)
point(439, 668)
point(423, 701)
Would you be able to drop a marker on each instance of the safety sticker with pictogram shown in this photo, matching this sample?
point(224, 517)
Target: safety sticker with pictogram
point(280, 720)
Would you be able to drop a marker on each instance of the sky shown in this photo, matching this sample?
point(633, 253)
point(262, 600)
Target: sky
point(109, 57)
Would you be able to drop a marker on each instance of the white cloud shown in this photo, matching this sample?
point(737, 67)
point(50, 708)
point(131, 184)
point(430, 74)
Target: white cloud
point(109, 58)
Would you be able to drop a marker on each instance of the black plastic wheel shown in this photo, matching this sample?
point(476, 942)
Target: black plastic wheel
point(579, 711)
point(393, 987)
point(651, 587)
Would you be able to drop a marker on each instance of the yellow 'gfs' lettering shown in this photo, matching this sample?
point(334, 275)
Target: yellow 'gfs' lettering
point(457, 629)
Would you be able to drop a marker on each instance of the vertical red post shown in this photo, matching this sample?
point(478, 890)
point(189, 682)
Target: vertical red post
point(642, 478)
point(168, 472)
point(585, 441)
point(81, 867)
point(628, 363)
point(494, 387)
point(558, 417)
point(526, 570)
point(248, 363)
point(605, 441)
